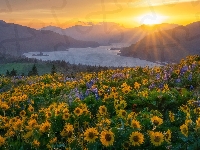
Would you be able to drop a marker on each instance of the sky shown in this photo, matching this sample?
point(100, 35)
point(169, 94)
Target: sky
point(129, 13)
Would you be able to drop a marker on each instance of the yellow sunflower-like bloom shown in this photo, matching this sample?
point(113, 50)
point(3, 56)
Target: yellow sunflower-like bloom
point(156, 120)
point(157, 138)
point(54, 140)
point(171, 116)
point(44, 127)
point(184, 129)
point(36, 143)
point(67, 131)
point(167, 136)
point(123, 104)
point(30, 108)
point(136, 138)
point(184, 108)
point(18, 125)
point(137, 85)
point(103, 110)
point(107, 138)
point(66, 116)
point(126, 89)
point(22, 113)
point(91, 135)
point(198, 123)
point(122, 114)
point(126, 145)
point(135, 124)
point(2, 141)
point(78, 111)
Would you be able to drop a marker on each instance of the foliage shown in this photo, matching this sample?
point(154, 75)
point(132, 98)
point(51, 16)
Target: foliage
point(129, 108)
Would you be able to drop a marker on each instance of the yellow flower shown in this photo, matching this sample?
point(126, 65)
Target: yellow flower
point(198, 123)
point(156, 138)
point(188, 122)
point(103, 110)
point(126, 89)
point(144, 81)
point(156, 120)
point(48, 114)
point(137, 85)
point(4, 106)
point(184, 129)
point(44, 127)
point(167, 136)
point(78, 111)
point(67, 131)
point(52, 141)
point(18, 125)
point(126, 145)
point(144, 94)
point(22, 113)
point(107, 138)
point(2, 141)
point(90, 135)
point(123, 104)
point(184, 108)
point(171, 116)
point(30, 108)
point(66, 116)
point(36, 143)
point(157, 69)
point(32, 124)
point(136, 138)
point(135, 124)
point(122, 113)
point(28, 135)
point(166, 88)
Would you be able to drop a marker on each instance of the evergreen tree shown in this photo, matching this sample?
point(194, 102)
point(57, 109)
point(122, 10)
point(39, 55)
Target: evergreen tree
point(34, 71)
point(53, 69)
point(7, 73)
point(13, 72)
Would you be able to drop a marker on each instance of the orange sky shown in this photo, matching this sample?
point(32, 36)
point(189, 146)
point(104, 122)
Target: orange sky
point(130, 13)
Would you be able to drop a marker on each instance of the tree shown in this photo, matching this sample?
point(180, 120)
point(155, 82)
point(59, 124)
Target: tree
point(13, 72)
point(7, 73)
point(34, 71)
point(53, 69)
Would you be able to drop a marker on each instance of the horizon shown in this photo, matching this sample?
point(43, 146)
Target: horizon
point(99, 23)
point(129, 14)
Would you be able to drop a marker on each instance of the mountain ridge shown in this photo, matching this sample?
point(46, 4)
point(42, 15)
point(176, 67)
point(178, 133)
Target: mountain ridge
point(167, 45)
point(108, 32)
point(17, 39)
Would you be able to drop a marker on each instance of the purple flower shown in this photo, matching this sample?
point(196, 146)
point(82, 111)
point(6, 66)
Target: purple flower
point(178, 80)
point(183, 69)
point(191, 87)
point(190, 77)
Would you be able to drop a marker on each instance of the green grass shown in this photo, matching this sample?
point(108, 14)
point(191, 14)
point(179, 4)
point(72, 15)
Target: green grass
point(24, 68)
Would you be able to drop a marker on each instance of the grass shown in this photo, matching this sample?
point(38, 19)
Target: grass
point(25, 68)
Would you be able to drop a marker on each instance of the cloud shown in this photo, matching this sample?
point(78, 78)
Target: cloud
point(147, 3)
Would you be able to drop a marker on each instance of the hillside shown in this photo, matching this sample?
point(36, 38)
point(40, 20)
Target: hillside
point(16, 40)
point(167, 45)
point(115, 109)
point(106, 33)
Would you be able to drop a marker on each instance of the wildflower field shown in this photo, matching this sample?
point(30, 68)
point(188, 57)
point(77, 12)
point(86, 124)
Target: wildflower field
point(130, 108)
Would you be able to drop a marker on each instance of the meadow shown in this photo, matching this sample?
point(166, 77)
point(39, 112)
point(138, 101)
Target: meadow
point(130, 108)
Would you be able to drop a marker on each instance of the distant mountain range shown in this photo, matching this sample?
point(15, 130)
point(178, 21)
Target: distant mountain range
point(167, 45)
point(106, 33)
point(16, 40)
point(162, 42)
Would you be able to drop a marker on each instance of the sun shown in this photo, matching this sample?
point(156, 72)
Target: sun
point(151, 18)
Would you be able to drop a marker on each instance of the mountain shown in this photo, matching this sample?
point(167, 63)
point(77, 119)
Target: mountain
point(106, 33)
point(167, 45)
point(16, 40)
